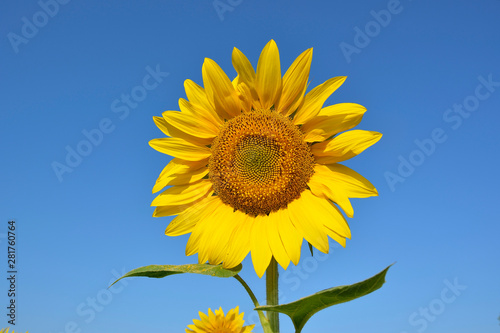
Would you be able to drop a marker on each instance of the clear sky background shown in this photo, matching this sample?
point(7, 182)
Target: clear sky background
point(429, 76)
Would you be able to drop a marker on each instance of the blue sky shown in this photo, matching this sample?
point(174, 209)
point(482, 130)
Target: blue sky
point(427, 72)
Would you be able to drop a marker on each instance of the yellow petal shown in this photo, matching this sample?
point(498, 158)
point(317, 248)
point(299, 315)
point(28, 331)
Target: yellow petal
point(192, 125)
point(295, 82)
point(346, 180)
point(261, 252)
point(207, 319)
point(205, 250)
point(274, 239)
point(180, 148)
point(245, 96)
point(235, 82)
point(198, 112)
point(186, 178)
point(177, 209)
point(170, 130)
point(332, 120)
point(239, 241)
point(306, 215)
point(193, 243)
point(162, 125)
point(315, 99)
point(162, 211)
point(248, 329)
point(331, 216)
point(198, 102)
point(298, 102)
point(220, 90)
point(184, 194)
point(243, 67)
point(336, 237)
point(187, 220)
point(290, 237)
point(180, 172)
point(215, 239)
point(323, 188)
point(197, 233)
point(344, 146)
point(268, 78)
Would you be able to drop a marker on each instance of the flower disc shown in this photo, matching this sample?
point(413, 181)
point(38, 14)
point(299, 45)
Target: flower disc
point(260, 162)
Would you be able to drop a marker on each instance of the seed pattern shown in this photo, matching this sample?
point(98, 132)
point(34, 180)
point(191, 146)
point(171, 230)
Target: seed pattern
point(260, 162)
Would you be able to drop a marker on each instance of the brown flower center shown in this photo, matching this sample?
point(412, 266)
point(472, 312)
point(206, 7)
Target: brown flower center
point(260, 162)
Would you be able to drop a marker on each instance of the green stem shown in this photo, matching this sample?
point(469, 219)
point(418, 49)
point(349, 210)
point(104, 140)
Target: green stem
point(263, 319)
point(272, 294)
point(247, 288)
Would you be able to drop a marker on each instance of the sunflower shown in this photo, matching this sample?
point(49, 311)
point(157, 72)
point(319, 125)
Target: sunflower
point(255, 165)
point(218, 323)
point(6, 330)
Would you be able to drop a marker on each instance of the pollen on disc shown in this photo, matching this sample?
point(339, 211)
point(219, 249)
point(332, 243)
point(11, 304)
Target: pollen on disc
point(260, 162)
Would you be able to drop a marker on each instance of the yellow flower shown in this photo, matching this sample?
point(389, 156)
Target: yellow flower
point(255, 165)
point(218, 323)
point(6, 330)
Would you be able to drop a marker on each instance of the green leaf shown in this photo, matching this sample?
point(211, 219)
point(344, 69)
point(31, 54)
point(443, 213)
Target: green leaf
point(160, 271)
point(311, 249)
point(301, 310)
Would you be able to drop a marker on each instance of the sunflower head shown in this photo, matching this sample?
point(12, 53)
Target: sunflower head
point(218, 323)
point(256, 165)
